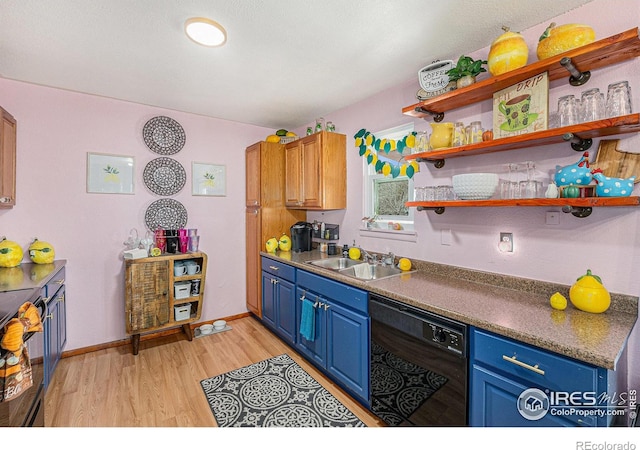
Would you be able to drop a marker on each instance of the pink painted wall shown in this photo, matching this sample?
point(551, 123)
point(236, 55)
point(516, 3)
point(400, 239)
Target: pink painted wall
point(56, 129)
point(608, 242)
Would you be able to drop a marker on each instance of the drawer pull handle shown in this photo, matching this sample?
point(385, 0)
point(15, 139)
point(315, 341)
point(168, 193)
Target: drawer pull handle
point(512, 359)
point(273, 267)
point(60, 282)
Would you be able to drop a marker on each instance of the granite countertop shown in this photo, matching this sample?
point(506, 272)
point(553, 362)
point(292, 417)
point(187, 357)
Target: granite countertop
point(514, 307)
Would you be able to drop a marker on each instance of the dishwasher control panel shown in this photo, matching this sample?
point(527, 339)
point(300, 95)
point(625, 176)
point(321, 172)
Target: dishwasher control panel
point(444, 337)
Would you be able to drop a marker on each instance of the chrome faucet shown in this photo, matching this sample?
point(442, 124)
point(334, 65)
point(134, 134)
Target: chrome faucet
point(371, 259)
point(388, 260)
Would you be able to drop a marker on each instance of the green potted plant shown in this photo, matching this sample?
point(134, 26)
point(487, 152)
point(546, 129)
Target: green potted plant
point(466, 70)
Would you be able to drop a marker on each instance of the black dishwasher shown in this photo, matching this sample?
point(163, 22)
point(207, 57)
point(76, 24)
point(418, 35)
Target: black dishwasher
point(418, 366)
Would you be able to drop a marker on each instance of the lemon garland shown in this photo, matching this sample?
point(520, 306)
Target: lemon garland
point(369, 147)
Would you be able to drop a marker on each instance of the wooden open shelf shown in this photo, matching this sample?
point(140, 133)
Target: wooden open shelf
point(579, 207)
point(587, 130)
point(602, 53)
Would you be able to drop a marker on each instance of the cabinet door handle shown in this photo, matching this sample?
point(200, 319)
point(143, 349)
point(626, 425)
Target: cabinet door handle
point(512, 359)
point(49, 316)
point(274, 281)
point(61, 299)
point(274, 268)
point(5, 199)
point(326, 306)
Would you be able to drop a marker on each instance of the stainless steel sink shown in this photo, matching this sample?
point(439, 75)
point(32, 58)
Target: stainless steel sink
point(376, 272)
point(337, 263)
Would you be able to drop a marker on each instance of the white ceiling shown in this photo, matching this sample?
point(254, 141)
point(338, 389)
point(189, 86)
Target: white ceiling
point(286, 62)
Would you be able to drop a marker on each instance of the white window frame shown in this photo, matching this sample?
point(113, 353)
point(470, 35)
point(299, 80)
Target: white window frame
point(369, 175)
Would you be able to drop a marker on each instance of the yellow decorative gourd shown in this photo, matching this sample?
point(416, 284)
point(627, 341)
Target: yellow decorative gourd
point(588, 294)
point(273, 138)
point(556, 40)
point(508, 52)
point(41, 252)
point(10, 253)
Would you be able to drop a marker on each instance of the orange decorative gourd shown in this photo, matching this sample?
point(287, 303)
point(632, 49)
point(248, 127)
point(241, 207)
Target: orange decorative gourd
point(556, 40)
point(508, 52)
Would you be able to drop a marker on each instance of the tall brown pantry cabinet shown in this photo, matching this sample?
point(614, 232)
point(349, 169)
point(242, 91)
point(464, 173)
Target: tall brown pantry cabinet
point(266, 215)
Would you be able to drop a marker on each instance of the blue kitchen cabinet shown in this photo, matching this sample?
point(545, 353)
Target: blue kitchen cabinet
point(54, 323)
point(509, 376)
point(340, 347)
point(278, 299)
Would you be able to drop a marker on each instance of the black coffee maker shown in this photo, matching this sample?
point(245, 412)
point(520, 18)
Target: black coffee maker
point(301, 237)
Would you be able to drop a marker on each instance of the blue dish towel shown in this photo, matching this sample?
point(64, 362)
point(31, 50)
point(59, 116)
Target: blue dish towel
point(308, 320)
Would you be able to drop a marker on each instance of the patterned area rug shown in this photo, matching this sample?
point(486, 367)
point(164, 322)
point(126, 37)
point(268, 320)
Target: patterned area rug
point(275, 392)
point(399, 387)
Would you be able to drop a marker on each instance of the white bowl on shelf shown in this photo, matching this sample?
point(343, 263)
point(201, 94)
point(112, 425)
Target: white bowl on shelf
point(207, 328)
point(475, 186)
point(219, 325)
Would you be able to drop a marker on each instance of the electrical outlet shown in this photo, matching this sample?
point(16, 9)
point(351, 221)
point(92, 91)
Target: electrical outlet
point(552, 218)
point(506, 242)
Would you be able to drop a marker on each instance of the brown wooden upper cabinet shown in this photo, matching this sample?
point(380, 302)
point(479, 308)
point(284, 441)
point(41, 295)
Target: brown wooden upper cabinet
point(7, 160)
point(316, 172)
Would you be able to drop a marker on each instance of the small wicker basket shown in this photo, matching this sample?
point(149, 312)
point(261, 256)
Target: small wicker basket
point(287, 139)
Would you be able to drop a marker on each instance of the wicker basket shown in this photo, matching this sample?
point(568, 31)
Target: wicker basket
point(287, 139)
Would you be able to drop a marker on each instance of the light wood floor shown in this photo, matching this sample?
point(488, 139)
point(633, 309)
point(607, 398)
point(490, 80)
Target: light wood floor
point(160, 387)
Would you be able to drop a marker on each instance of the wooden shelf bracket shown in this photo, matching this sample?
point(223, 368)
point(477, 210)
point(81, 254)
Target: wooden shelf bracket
point(577, 77)
point(577, 143)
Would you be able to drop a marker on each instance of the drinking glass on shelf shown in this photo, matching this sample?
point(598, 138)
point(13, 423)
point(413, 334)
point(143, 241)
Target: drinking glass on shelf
point(422, 142)
point(554, 120)
point(418, 194)
point(429, 193)
point(618, 99)
point(568, 110)
point(476, 132)
point(592, 105)
point(505, 188)
point(459, 137)
point(441, 193)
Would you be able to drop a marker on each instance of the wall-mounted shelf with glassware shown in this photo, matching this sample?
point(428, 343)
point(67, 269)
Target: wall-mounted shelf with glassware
point(580, 136)
point(579, 207)
point(598, 54)
point(577, 63)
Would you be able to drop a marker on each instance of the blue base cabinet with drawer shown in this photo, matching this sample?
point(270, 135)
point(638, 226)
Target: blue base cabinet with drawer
point(278, 299)
point(54, 324)
point(341, 343)
point(517, 385)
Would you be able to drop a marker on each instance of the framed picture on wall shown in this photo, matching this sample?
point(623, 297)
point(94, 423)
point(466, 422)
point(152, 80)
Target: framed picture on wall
point(110, 174)
point(208, 179)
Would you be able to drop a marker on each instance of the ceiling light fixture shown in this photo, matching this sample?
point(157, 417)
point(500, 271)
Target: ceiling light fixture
point(205, 31)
